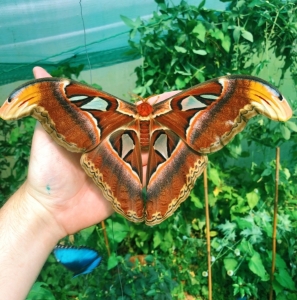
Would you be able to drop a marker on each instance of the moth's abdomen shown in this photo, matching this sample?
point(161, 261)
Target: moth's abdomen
point(144, 134)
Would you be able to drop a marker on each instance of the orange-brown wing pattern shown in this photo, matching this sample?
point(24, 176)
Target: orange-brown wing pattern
point(116, 167)
point(209, 115)
point(178, 132)
point(173, 168)
point(77, 116)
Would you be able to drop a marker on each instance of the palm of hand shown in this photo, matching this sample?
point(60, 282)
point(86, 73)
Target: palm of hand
point(56, 178)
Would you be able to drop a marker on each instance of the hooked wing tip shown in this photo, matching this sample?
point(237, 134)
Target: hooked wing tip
point(268, 100)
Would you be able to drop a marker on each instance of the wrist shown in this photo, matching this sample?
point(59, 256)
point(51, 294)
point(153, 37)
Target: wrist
point(28, 233)
point(34, 218)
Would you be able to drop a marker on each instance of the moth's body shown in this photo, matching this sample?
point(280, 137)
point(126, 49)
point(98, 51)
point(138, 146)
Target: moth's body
point(144, 132)
point(177, 133)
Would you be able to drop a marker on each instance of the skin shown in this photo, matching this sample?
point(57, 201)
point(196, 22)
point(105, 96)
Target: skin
point(57, 199)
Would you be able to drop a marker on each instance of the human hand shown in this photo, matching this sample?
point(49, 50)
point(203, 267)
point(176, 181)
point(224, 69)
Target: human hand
point(57, 181)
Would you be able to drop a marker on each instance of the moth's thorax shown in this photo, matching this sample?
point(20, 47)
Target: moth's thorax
point(144, 109)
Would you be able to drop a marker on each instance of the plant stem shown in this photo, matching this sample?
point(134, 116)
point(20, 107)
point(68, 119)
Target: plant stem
point(105, 237)
point(207, 233)
point(274, 222)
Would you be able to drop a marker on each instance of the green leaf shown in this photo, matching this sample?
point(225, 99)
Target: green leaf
point(38, 292)
point(285, 280)
point(200, 52)
point(117, 231)
point(286, 133)
point(97, 86)
point(180, 82)
point(149, 82)
point(255, 3)
point(227, 227)
point(200, 76)
point(217, 34)
point(212, 199)
point(202, 3)
point(183, 73)
point(127, 21)
point(253, 199)
point(257, 267)
point(180, 49)
point(140, 90)
point(246, 247)
point(243, 223)
point(230, 264)
point(284, 222)
point(279, 262)
point(151, 293)
point(247, 35)
point(266, 172)
point(197, 202)
point(200, 31)
point(158, 238)
point(128, 290)
point(226, 43)
point(149, 259)
point(240, 207)
point(167, 241)
point(133, 33)
point(87, 232)
point(214, 176)
point(286, 173)
point(112, 261)
point(236, 34)
point(291, 125)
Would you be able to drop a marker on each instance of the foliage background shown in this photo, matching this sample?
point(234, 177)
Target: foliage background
point(181, 46)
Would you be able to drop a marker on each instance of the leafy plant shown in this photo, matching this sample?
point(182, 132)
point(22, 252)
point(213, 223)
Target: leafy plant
point(65, 70)
point(183, 45)
point(15, 145)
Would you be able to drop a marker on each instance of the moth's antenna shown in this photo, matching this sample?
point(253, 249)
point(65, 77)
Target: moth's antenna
point(85, 41)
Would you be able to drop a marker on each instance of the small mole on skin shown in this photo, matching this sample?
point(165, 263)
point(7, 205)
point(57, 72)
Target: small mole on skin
point(48, 188)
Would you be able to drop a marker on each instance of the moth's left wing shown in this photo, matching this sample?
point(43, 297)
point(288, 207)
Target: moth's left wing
point(116, 167)
point(76, 116)
point(209, 115)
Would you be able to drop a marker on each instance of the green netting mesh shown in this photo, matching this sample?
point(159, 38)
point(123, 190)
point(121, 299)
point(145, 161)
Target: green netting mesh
point(48, 32)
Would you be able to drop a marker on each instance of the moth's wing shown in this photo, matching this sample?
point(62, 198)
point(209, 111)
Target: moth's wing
point(77, 116)
point(84, 119)
point(116, 167)
point(198, 121)
point(209, 115)
point(172, 170)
